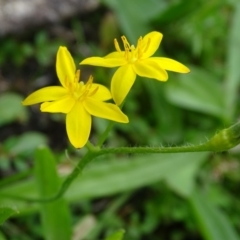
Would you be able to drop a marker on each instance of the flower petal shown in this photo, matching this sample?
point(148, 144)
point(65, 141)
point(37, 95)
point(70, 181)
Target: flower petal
point(63, 105)
point(105, 62)
point(150, 69)
point(115, 54)
point(122, 82)
point(45, 94)
point(78, 124)
point(170, 64)
point(65, 66)
point(105, 110)
point(151, 42)
point(102, 93)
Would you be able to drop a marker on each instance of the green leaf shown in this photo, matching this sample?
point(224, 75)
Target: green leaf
point(11, 108)
point(135, 23)
point(169, 117)
point(213, 223)
point(232, 65)
point(126, 174)
point(55, 215)
point(28, 142)
point(116, 236)
point(111, 177)
point(199, 91)
point(5, 213)
point(175, 12)
point(2, 237)
point(183, 182)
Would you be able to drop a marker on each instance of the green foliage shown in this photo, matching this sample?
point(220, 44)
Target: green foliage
point(11, 108)
point(18, 52)
point(116, 236)
point(27, 143)
point(197, 89)
point(55, 215)
point(212, 222)
point(5, 213)
point(159, 196)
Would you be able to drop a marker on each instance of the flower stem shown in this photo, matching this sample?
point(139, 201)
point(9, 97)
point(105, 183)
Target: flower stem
point(145, 150)
point(65, 185)
point(105, 134)
point(222, 141)
point(90, 155)
point(107, 130)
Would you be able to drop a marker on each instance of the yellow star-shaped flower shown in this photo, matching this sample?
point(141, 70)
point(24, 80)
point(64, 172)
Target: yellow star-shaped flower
point(136, 61)
point(77, 100)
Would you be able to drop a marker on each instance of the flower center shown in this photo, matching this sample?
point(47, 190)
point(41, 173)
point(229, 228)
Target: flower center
point(132, 54)
point(79, 90)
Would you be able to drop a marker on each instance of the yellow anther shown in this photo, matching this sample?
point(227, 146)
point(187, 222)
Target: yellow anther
point(139, 43)
point(89, 82)
point(117, 45)
point(125, 43)
point(77, 76)
point(93, 92)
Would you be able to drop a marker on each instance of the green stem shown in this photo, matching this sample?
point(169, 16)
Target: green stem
point(65, 185)
point(90, 155)
point(105, 134)
point(222, 141)
point(107, 130)
point(91, 147)
point(145, 150)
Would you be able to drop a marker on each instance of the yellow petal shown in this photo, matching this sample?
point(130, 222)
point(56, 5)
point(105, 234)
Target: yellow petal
point(115, 54)
point(65, 66)
point(104, 62)
point(151, 43)
point(45, 94)
point(78, 124)
point(170, 64)
point(121, 83)
point(150, 69)
point(63, 105)
point(102, 93)
point(105, 110)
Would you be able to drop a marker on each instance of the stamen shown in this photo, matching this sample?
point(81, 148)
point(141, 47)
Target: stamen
point(117, 45)
point(77, 76)
point(93, 92)
point(139, 44)
point(89, 82)
point(125, 43)
point(127, 55)
point(84, 95)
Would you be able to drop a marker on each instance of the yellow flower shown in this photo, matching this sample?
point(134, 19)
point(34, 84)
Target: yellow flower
point(136, 61)
point(77, 100)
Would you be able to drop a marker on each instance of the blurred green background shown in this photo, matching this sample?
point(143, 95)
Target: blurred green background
point(153, 197)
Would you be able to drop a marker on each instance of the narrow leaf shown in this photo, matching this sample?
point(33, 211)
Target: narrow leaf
point(135, 23)
point(55, 215)
point(5, 213)
point(213, 223)
point(194, 91)
point(111, 177)
point(117, 235)
point(232, 65)
point(11, 108)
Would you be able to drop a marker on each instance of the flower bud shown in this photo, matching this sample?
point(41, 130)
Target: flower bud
point(225, 139)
